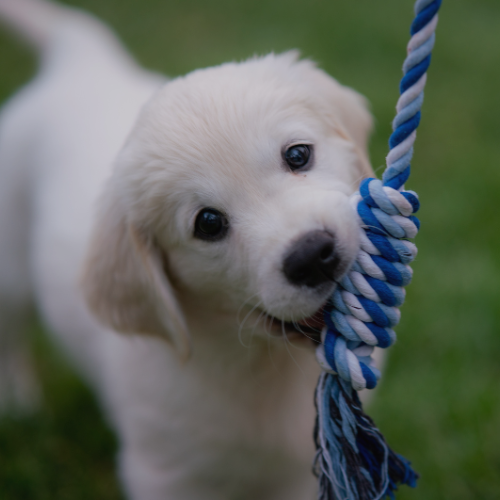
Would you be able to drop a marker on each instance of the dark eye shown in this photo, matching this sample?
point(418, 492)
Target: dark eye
point(297, 156)
point(210, 225)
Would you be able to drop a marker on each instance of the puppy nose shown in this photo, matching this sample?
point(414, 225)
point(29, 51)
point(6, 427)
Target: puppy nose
point(312, 260)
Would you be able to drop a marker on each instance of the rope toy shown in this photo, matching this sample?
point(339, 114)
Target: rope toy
point(353, 461)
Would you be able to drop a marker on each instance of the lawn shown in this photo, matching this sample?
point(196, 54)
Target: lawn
point(439, 402)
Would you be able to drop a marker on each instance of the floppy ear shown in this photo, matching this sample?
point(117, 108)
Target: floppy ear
point(125, 283)
point(356, 118)
point(355, 122)
point(348, 113)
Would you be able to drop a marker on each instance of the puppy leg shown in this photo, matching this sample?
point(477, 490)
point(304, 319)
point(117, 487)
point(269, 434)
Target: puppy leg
point(18, 389)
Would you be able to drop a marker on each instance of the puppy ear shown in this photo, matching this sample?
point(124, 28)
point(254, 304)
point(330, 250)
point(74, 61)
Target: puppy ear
point(347, 111)
point(356, 118)
point(125, 283)
point(354, 122)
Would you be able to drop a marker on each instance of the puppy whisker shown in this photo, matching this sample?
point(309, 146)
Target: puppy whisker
point(287, 342)
point(298, 326)
point(242, 324)
point(245, 302)
point(269, 349)
point(256, 323)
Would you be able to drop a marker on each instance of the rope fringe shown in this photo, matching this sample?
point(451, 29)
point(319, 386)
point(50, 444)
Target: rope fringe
point(358, 457)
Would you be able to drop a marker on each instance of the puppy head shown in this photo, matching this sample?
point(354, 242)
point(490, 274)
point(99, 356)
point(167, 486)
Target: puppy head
point(232, 190)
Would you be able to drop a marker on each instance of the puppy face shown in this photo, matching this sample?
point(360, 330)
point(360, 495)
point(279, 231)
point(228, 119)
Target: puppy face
point(239, 177)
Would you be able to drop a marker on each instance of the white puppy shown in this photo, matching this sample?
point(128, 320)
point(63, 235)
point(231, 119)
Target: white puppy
point(219, 234)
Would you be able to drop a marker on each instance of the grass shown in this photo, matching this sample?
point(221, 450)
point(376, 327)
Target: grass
point(64, 451)
point(439, 400)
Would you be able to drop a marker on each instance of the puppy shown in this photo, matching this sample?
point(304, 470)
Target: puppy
point(180, 239)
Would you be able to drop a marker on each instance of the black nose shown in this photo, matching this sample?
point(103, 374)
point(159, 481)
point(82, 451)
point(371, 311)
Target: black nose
point(312, 260)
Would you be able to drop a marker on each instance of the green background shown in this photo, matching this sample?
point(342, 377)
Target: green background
point(439, 402)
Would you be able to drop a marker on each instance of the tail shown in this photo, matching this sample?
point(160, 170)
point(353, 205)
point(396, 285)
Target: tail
point(80, 38)
point(33, 20)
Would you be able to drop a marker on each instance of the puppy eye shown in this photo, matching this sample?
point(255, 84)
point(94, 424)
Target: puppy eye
point(297, 156)
point(210, 225)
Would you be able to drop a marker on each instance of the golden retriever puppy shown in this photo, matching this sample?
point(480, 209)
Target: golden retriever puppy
point(180, 239)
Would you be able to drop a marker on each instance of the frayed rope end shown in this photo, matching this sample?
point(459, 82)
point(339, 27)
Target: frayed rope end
point(353, 461)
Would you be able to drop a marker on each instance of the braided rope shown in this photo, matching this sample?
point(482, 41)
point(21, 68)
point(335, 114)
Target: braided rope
point(364, 307)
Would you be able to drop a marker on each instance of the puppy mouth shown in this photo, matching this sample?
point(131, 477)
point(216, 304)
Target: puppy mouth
point(305, 331)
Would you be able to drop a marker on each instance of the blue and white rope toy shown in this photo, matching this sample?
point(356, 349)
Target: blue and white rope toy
point(353, 461)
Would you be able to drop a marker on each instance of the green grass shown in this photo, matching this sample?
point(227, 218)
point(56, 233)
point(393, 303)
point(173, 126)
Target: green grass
point(64, 451)
point(439, 402)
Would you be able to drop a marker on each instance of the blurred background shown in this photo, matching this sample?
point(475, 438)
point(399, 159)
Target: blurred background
point(439, 401)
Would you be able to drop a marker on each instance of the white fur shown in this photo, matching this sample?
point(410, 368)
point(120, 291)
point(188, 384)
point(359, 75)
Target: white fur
point(210, 402)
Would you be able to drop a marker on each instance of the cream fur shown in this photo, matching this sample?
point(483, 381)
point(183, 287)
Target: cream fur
point(212, 402)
